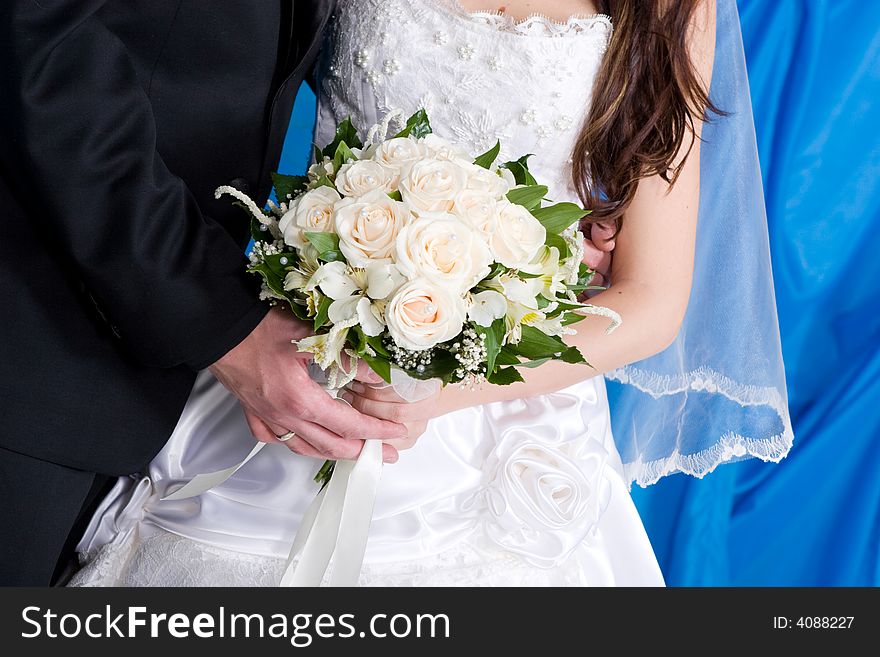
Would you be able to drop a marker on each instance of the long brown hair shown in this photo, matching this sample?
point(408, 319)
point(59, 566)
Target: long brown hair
point(645, 100)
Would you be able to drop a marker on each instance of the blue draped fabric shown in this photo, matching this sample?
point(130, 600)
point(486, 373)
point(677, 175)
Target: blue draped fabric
point(814, 519)
point(814, 69)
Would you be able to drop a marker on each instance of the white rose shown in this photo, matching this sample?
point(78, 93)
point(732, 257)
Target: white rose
point(396, 154)
point(421, 315)
point(477, 208)
point(312, 212)
point(485, 180)
point(443, 150)
point(363, 176)
point(444, 250)
point(368, 226)
point(517, 237)
point(431, 184)
point(545, 499)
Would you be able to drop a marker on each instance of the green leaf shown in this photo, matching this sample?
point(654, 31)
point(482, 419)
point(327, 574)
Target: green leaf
point(324, 242)
point(529, 197)
point(323, 181)
point(520, 170)
point(574, 356)
point(345, 132)
point(442, 366)
point(534, 363)
point(556, 218)
point(380, 365)
point(572, 318)
point(417, 126)
point(494, 337)
point(342, 155)
point(554, 240)
point(505, 376)
point(257, 231)
point(496, 269)
point(395, 195)
point(537, 344)
point(287, 186)
point(507, 356)
point(375, 341)
point(486, 159)
point(321, 313)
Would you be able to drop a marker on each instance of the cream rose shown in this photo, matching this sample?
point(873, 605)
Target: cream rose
point(516, 237)
point(397, 154)
point(431, 184)
point(312, 212)
point(487, 181)
point(362, 176)
point(444, 150)
point(368, 227)
point(444, 250)
point(477, 208)
point(422, 314)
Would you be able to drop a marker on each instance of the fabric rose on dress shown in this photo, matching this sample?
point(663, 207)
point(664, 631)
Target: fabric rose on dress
point(363, 176)
point(312, 212)
point(431, 184)
point(368, 226)
point(422, 314)
point(545, 499)
point(443, 250)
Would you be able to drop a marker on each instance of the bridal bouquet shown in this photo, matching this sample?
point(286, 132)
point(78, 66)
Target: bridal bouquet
point(411, 253)
point(427, 263)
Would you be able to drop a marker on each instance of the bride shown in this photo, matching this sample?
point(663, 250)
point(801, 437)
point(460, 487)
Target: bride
point(524, 484)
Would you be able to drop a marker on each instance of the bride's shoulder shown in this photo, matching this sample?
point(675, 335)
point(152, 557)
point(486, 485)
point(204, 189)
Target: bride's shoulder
point(701, 39)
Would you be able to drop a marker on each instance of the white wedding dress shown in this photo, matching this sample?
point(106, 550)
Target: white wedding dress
point(526, 492)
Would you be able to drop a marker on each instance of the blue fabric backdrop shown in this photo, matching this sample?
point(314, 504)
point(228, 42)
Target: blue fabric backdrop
point(814, 67)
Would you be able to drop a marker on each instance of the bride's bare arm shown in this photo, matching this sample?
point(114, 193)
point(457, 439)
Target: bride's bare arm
point(652, 271)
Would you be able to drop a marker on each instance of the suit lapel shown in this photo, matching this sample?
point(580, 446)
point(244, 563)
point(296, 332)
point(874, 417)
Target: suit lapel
point(308, 18)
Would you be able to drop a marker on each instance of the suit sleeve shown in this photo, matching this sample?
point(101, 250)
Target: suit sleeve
point(80, 149)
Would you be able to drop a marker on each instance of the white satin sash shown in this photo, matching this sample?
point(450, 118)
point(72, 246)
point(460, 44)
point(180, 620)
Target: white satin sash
point(336, 525)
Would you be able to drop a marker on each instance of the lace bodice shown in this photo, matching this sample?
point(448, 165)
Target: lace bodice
point(481, 76)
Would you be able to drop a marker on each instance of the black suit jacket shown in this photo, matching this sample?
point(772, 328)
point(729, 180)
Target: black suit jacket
point(120, 274)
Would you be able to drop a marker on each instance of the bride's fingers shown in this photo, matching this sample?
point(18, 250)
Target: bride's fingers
point(602, 236)
point(398, 412)
point(376, 393)
point(336, 419)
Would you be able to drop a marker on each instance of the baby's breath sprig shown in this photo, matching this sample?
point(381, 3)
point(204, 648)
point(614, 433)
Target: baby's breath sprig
point(409, 359)
point(470, 352)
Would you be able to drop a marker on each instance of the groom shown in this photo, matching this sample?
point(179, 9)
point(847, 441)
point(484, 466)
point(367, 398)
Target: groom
point(121, 276)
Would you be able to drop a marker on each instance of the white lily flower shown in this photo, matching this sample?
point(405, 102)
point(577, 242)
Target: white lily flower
point(358, 294)
point(486, 307)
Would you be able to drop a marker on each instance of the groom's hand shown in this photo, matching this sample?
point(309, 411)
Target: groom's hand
point(271, 380)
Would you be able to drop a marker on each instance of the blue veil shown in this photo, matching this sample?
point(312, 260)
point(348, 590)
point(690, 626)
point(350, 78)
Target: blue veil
point(717, 394)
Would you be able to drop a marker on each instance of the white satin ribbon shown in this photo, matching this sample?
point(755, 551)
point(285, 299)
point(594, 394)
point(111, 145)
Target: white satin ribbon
point(337, 523)
point(202, 483)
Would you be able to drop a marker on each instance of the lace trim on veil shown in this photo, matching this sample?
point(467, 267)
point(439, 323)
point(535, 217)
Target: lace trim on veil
point(534, 24)
point(730, 446)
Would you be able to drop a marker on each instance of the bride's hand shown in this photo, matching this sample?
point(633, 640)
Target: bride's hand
point(598, 248)
point(385, 404)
